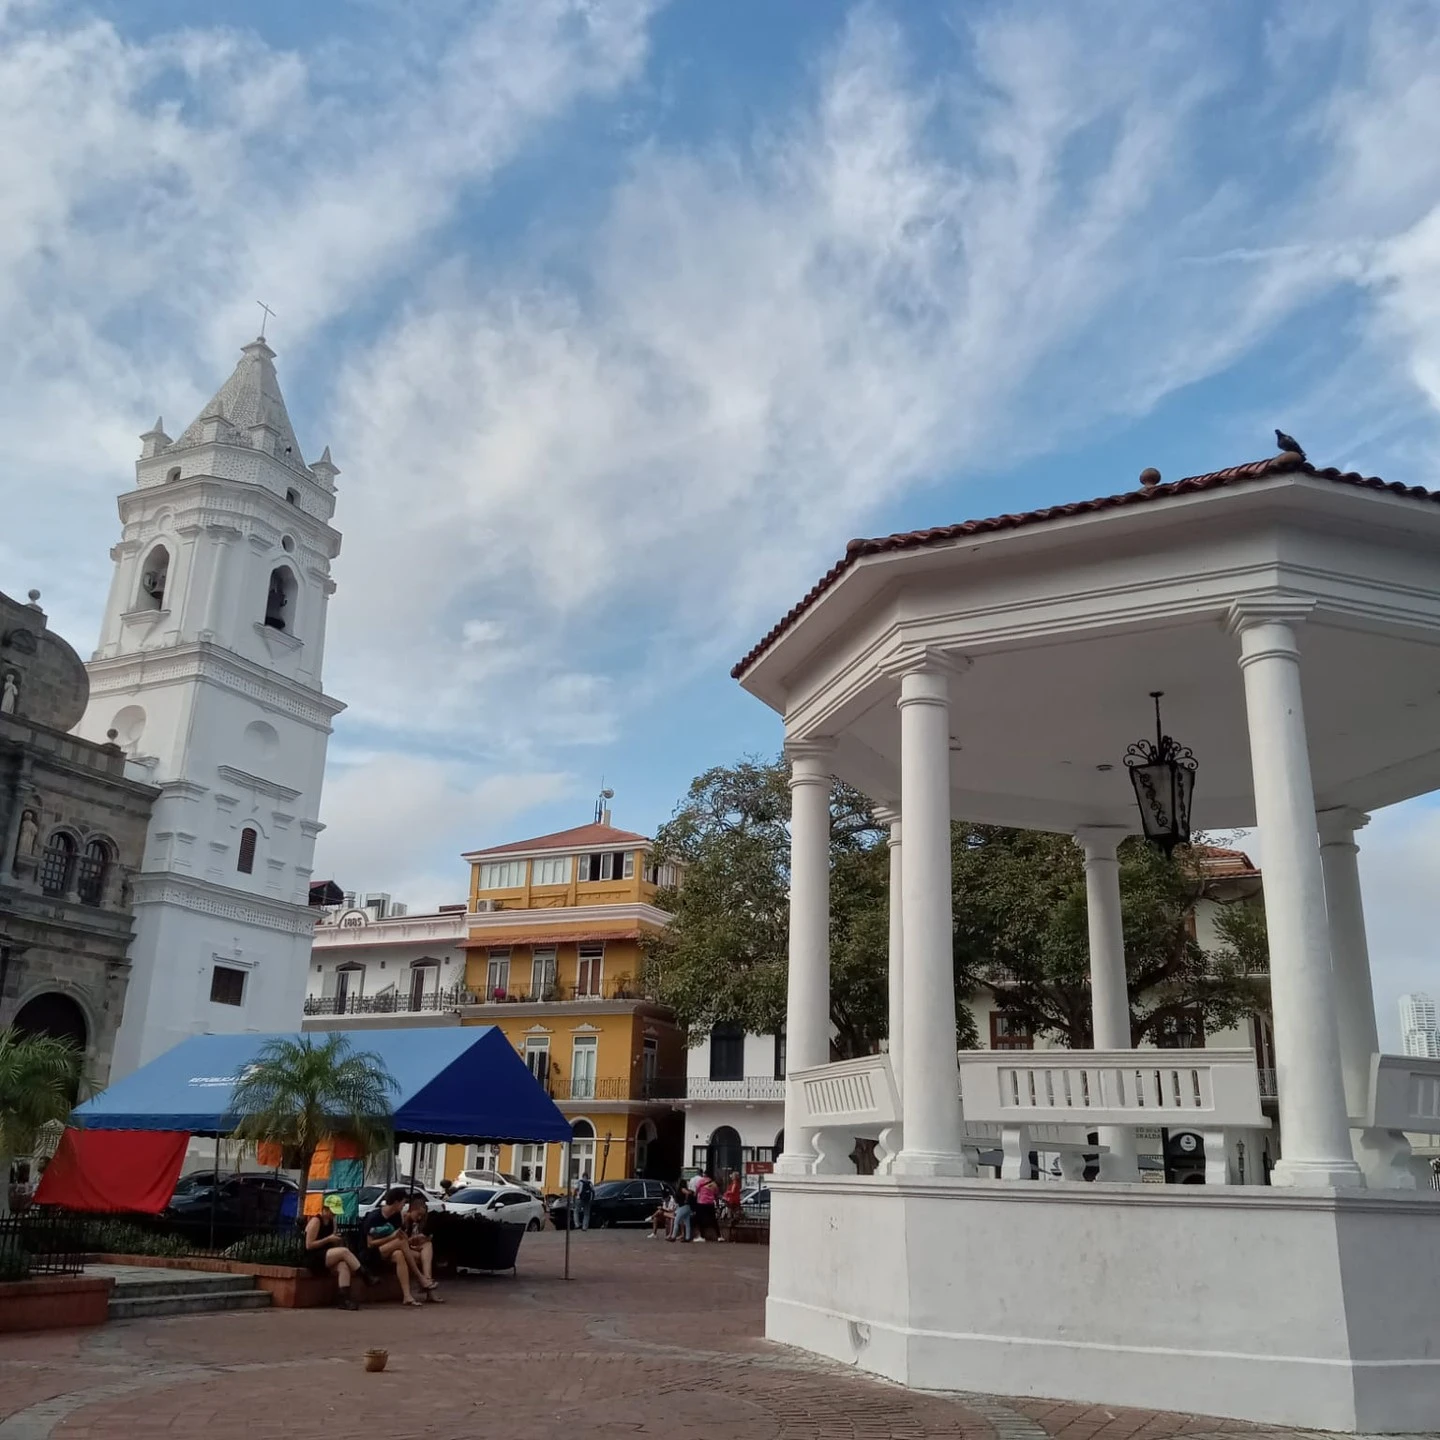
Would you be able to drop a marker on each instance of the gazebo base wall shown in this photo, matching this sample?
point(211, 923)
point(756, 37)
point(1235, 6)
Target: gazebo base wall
point(1305, 1308)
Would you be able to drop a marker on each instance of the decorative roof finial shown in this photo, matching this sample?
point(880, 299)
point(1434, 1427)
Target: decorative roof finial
point(266, 317)
point(1150, 477)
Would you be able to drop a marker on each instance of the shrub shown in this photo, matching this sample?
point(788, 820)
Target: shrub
point(272, 1247)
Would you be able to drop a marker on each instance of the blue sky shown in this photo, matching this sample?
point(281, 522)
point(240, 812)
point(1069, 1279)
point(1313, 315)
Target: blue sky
point(622, 317)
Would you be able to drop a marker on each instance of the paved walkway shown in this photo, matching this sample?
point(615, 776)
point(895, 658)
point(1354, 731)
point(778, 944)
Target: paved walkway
point(647, 1339)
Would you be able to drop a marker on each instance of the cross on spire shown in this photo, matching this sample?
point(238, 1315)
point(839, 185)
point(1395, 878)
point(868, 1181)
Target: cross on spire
point(268, 316)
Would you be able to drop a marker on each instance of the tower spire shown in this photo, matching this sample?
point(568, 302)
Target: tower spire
point(251, 410)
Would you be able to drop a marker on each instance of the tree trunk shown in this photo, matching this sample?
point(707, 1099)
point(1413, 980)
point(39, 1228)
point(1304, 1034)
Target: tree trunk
point(307, 1159)
point(5, 1162)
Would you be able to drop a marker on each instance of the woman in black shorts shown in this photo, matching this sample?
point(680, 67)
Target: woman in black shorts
point(326, 1250)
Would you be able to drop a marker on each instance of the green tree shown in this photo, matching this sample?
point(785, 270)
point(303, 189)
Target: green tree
point(300, 1092)
point(39, 1078)
point(724, 957)
point(1021, 936)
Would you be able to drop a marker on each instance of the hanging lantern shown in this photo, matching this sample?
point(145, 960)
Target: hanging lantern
point(1163, 774)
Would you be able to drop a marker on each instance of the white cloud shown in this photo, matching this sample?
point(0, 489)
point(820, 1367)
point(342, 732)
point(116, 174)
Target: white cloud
point(399, 823)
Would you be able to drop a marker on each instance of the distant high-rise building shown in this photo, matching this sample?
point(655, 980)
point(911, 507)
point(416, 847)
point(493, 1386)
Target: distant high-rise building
point(1419, 1026)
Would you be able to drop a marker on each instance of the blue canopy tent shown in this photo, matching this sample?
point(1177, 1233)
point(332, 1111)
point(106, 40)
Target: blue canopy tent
point(454, 1084)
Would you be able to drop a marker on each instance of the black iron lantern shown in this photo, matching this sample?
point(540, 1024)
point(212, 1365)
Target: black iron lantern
point(1163, 774)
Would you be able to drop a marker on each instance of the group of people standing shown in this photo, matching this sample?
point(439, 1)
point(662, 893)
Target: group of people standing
point(698, 1205)
point(393, 1234)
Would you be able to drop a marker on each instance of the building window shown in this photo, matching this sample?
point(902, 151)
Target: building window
point(154, 576)
point(173, 476)
point(280, 599)
point(348, 978)
point(649, 1066)
point(227, 986)
point(292, 497)
point(424, 976)
point(537, 1056)
point(588, 970)
point(57, 864)
point(582, 1150)
point(542, 974)
point(610, 865)
point(582, 1067)
point(553, 870)
point(1009, 1032)
point(629, 873)
point(91, 871)
point(497, 975)
point(245, 860)
point(482, 1157)
point(663, 877)
point(530, 1164)
point(727, 1052)
point(502, 875)
point(780, 1053)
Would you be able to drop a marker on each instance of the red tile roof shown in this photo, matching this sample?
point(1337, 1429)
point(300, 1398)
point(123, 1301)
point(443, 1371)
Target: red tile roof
point(1221, 863)
point(1284, 464)
point(582, 837)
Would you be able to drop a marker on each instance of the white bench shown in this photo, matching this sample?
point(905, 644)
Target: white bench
point(1216, 1092)
point(1404, 1096)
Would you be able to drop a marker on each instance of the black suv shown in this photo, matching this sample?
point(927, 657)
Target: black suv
point(617, 1202)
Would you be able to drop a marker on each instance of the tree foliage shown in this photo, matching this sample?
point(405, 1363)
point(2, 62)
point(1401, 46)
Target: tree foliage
point(39, 1077)
point(300, 1092)
point(1021, 936)
point(723, 959)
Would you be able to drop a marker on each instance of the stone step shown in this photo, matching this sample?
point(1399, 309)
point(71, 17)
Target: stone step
point(204, 1302)
point(149, 1286)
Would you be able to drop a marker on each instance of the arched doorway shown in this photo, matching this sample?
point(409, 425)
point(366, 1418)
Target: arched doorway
point(645, 1138)
point(724, 1156)
point(55, 1015)
point(582, 1150)
point(59, 1017)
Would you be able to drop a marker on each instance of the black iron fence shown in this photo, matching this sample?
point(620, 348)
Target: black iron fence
point(34, 1243)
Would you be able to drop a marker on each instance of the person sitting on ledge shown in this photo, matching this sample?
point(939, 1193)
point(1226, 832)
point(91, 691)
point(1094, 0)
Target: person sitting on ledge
point(326, 1251)
point(422, 1247)
point(386, 1242)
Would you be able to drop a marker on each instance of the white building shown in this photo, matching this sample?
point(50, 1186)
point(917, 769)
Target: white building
point(1419, 1026)
point(377, 959)
point(208, 674)
point(734, 1101)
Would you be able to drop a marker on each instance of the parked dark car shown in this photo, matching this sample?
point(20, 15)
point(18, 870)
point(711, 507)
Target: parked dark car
point(242, 1204)
point(616, 1202)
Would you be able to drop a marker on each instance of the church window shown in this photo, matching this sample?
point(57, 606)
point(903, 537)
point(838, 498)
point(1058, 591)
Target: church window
point(91, 871)
point(57, 864)
point(154, 574)
point(245, 863)
point(287, 544)
point(173, 475)
point(293, 496)
point(227, 985)
point(280, 599)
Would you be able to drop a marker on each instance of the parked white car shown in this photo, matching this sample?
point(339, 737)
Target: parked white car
point(494, 1179)
point(507, 1203)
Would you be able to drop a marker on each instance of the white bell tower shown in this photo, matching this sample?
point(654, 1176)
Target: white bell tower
point(208, 673)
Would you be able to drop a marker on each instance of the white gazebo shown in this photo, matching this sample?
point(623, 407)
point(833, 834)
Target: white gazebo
point(998, 671)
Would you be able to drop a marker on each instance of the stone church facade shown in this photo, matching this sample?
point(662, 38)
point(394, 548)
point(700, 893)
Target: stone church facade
point(72, 836)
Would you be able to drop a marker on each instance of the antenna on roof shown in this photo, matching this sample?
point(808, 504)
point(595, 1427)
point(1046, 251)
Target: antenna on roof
point(602, 803)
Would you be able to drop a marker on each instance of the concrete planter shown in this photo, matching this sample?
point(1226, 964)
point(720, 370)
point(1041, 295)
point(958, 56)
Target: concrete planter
point(54, 1302)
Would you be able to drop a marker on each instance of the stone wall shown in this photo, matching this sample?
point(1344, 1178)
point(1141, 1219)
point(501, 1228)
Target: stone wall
point(65, 919)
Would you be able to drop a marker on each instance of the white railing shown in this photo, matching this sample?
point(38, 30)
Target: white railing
point(1216, 1092)
point(750, 1088)
point(848, 1099)
point(1404, 1096)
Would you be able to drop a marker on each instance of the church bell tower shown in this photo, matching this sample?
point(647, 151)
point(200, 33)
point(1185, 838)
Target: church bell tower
point(208, 674)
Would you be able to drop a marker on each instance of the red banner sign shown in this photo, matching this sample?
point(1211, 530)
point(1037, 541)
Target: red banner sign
point(759, 1167)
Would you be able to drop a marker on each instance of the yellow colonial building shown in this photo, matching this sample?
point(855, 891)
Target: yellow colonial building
point(548, 948)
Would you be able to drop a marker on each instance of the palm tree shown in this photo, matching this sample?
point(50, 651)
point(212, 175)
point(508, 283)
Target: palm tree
point(39, 1076)
point(297, 1093)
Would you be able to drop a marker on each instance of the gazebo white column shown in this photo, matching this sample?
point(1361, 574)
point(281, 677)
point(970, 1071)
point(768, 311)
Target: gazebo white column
point(1109, 988)
point(1379, 1154)
point(930, 1086)
point(896, 1030)
point(807, 999)
point(1315, 1131)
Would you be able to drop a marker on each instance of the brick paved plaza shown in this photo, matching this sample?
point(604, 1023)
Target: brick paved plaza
point(646, 1339)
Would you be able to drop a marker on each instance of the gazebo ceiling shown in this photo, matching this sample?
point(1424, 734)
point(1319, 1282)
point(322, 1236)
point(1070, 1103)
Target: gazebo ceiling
point(1061, 630)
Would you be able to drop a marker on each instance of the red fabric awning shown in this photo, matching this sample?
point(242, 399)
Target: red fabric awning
point(114, 1170)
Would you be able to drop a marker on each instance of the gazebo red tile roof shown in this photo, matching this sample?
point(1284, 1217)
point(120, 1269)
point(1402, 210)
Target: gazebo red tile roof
point(1283, 464)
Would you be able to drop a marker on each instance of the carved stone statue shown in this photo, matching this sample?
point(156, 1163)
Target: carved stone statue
point(29, 835)
point(9, 693)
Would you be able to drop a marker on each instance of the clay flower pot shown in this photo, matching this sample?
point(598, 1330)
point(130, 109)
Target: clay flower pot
point(375, 1359)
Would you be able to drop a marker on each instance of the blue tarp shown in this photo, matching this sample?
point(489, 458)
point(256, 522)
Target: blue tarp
point(454, 1084)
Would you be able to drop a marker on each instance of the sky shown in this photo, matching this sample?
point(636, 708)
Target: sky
point(621, 317)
